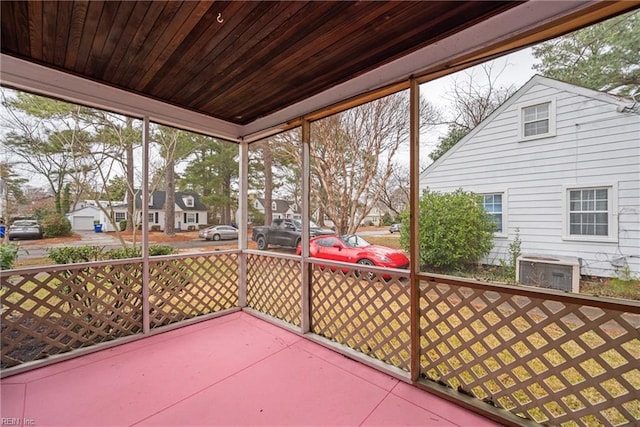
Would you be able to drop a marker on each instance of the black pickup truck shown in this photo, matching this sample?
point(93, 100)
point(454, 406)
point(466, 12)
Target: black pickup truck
point(284, 232)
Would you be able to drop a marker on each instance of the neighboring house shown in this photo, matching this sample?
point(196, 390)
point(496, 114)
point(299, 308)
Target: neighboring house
point(560, 165)
point(279, 208)
point(84, 218)
point(88, 213)
point(375, 215)
point(190, 212)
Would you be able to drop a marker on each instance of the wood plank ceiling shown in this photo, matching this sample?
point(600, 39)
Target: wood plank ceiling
point(232, 60)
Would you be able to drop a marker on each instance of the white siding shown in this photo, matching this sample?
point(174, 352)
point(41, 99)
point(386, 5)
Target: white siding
point(594, 145)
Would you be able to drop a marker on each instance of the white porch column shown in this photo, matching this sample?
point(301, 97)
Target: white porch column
point(414, 240)
point(305, 323)
point(146, 323)
point(242, 220)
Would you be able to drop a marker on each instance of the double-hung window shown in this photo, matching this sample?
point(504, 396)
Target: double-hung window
point(492, 204)
point(590, 213)
point(537, 121)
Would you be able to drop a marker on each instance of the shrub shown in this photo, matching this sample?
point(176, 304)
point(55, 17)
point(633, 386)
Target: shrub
point(8, 255)
point(515, 250)
point(123, 225)
point(157, 250)
point(455, 231)
point(122, 253)
point(75, 254)
point(56, 225)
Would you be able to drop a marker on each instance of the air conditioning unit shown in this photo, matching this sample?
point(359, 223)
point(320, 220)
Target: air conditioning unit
point(553, 272)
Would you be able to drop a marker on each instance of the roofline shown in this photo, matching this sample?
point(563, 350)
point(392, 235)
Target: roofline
point(536, 79)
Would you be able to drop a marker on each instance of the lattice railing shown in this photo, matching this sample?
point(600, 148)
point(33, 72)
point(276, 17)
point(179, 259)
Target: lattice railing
point(365, 311)
point(554, 359)
point(189, 286)
point(274, 286)
point(46, 312)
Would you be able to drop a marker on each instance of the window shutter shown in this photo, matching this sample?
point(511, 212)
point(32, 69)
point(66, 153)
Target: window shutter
point(185, 217)
point(197, 220)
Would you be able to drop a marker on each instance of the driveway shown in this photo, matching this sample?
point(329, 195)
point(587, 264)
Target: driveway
point(94, 239)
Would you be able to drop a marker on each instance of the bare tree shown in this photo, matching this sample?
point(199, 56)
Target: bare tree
point(473, 97)
point(73, 148)
point(44, 138)
point(175, 147)
point(476, 94)
point(395, 191)
point(353, 156)
point(118, 138)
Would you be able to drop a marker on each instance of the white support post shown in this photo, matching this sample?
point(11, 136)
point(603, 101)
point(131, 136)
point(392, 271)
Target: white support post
point(242, 220)
point(146, 321)
point(414, 199)
point(305, 323)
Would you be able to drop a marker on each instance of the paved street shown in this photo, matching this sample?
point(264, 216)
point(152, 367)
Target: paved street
point(30, 249)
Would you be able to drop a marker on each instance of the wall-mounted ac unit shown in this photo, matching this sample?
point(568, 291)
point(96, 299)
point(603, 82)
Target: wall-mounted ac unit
point(562, 273)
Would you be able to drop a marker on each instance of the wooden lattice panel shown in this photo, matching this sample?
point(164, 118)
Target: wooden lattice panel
point(274, 287)
point(186, 287)
point(368, 313)
point(55, 311)
point(557, 362)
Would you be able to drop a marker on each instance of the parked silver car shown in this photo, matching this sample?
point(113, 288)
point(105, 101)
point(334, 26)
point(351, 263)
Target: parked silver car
point(219, 232)
point(395, 228)
point(26, 229)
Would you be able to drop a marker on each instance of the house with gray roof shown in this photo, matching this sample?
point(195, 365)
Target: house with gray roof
point(279, 208)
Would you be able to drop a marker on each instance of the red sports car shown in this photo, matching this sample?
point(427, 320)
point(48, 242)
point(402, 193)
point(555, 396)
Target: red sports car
point(355, 249)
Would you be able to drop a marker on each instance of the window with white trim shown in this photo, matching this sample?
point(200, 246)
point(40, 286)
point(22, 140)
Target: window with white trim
point(537, 121)
point(190, 218)
point(188, 202)
point(492, 204)
point(120, 216)
point(589, 212)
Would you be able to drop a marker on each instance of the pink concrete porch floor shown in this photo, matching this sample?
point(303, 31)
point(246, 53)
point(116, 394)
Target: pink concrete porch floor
point(230, 371)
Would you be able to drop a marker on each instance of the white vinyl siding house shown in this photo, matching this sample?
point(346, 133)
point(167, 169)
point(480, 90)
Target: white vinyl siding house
point(280, 209)
point(566, 162)
point(190, 212)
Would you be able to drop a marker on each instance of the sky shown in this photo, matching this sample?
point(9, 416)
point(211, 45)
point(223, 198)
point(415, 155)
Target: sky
point(517, 69)
point(514, 70)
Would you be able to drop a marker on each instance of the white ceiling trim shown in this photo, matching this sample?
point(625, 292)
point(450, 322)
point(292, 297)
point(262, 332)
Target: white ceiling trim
point(30, 77)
